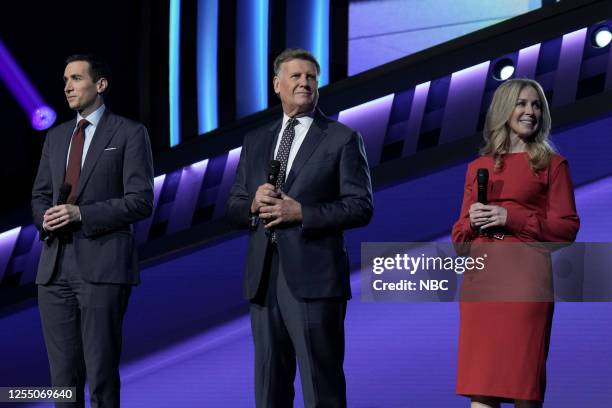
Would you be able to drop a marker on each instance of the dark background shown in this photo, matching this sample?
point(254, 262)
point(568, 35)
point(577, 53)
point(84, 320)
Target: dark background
point(40, 35)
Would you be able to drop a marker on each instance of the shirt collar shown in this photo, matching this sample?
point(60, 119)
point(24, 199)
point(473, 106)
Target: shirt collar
point(94, 117)
point(305, 119)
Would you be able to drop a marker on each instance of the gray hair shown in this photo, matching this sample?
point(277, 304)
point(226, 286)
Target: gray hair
point(295, 53)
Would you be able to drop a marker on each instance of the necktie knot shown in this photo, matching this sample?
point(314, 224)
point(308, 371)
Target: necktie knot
point(83, 123)
point(291, 123)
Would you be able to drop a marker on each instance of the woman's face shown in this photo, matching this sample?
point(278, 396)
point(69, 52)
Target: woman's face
point(527, 114)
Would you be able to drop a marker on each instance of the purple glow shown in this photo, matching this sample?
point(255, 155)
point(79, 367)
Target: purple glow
point(371, 120)
point(186, 199)
point(527, 62)
point(568, 71)
point(419, 102)
point(41, 116)
point(142, 228)
point(226, 183)
point(7, 244)
point(463, 102)
point(592, 204)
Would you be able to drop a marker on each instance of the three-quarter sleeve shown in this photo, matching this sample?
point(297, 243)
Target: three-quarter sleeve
point(462, 229)
point(560, 222)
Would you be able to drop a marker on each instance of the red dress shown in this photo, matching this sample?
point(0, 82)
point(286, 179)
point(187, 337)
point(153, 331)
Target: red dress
point(503, 345)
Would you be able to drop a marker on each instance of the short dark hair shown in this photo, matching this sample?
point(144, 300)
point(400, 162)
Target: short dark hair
point(98, 68)
point(295, 53)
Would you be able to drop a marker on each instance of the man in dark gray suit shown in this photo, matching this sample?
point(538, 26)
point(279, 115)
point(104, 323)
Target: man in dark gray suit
point(297, 271)
point(88, 265)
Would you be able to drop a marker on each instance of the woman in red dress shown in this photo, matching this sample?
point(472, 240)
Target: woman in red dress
point(503, 344)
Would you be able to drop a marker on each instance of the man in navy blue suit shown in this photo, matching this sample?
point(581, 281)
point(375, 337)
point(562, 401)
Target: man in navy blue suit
point(297, 270)
point(88, 263)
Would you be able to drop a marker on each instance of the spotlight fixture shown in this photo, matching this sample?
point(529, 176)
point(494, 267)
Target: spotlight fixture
point(503, 69)
point(42, 118)
point(601, 37)
point(40, 114)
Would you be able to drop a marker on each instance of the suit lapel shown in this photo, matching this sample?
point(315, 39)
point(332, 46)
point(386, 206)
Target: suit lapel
point(60, 165)
point(100, 139)
point(270, 144)
point(316, 133)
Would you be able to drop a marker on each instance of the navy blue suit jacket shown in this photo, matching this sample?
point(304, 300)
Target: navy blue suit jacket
point(115, 189)
point(330, 178)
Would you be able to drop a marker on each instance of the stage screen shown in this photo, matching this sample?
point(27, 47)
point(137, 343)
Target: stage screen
point(382, 31)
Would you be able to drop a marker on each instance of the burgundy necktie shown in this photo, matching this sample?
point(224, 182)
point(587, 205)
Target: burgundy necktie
point(73, 171)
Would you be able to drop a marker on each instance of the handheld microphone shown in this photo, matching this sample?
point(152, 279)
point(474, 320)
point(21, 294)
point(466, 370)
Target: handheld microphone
point(273, 171)
point(482, 177)
point(64, 193)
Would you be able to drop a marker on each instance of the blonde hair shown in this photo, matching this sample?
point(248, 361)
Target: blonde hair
point(497, 129)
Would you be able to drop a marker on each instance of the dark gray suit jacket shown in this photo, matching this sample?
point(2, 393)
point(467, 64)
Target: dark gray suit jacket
point(331, 179)
point(115, 189)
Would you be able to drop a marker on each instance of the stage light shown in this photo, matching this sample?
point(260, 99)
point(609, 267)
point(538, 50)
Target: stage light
point(41, 116)
point(503, 69)
point(207, 51)
point(174, 72)
point(252, 52)
point(601, 37)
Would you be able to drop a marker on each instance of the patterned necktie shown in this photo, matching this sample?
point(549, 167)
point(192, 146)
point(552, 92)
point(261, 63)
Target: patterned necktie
point(73, 170)
point(283, 150)
point(283, 156)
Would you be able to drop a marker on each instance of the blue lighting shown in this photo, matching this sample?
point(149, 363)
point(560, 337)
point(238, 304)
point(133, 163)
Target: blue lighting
point(320, 37)
point(308, 27)
point(252, 57)
point(261, 58)
point(174, 72)
point(208, 11)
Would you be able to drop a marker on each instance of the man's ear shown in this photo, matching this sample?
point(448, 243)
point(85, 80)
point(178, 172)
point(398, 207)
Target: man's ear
point(101, 85)
point(275, 82)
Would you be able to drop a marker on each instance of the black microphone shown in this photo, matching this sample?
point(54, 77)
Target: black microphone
point(273, 170)
point(64, 193)
point(482, 177)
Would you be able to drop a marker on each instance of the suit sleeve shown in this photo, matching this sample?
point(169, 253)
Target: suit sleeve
point(354, 207)
point(561, 222)
point(238, 208)
point(462, 229)
point(42, 191)
point(137, 201)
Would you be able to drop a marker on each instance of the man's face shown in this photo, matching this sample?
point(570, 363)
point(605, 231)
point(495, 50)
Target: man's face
point(82, 93)
point(296, 84)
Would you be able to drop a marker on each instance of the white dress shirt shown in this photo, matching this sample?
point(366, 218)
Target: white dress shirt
point(93, 119)
point(300, 134)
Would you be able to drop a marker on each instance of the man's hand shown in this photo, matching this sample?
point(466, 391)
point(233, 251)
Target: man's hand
point(265, 195)
point(60, 216)
point(283, 209)
point(487, 216)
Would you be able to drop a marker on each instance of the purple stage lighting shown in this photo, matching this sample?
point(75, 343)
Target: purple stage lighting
point(41, 116)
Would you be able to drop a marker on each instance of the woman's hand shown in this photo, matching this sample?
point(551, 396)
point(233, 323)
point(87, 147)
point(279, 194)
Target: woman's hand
point(486, 216)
